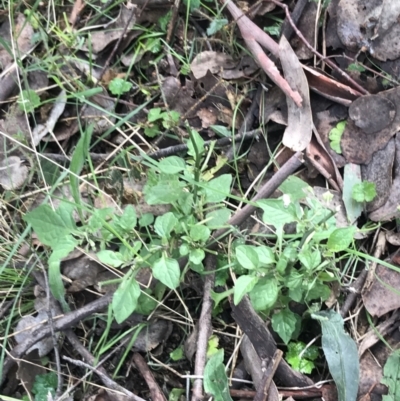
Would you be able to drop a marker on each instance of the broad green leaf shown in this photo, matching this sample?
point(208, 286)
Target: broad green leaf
point(216, 25)
point(391, 377)
point(352, 177)
point(192, 4)
point(196, 256)
point(125, 299)
point(247, 256)
point(145, 304)
point(221, 130)
point(175, 394)
point(119, 86)
point(172, 165)
point(165, 224)
point(276, 213)
point(364, 191)
point(166, 191)
point(65, 211)
point(154, 114)
point(146, 219)
point(218, 217)
point(28, 100)
point(215, 379)
point(266, 255)
point(318, 290)
point(284, 323)
point(111, 258)
point(341, 239)
point(341, 354)
point(264, 294)
point(295, 187)
point(199, 233)
point(305, 363)
point(61, 249)
point(243, 285)
point(310, 259)
point(167, 271)
point(47, 224)
point(195, 144)
point(128, 220)
point(218, 188)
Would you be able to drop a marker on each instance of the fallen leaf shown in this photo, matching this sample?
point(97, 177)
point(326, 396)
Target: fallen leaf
point(299, 130)
point(13, 172)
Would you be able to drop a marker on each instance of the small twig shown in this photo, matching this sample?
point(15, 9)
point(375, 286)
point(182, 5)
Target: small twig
point(266, 190)
point(173, 150)
point(66, 321)
point(205, 327)
point(155, 391)
point(104, 378)
point(262, 391)
point(316, 52)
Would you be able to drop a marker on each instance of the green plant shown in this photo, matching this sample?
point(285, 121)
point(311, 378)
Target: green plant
point(335, 136)
point(301, 358)
point(391, 376)
point(119, 86)
point(44, 385)
point(157, 118)
point(28, 101)
point(364, 191)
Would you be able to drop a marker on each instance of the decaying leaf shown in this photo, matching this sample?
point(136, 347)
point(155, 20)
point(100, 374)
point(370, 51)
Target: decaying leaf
point(299, 130)
point(13, 172)
point(222, 64)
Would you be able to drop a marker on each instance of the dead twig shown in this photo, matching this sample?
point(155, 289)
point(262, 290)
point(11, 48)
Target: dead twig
point(262, 391)
point(155, 391)
point(316, 52)
point(205, 327)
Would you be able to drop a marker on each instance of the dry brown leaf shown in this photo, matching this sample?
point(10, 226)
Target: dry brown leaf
point(13, 172)
point(299, 130)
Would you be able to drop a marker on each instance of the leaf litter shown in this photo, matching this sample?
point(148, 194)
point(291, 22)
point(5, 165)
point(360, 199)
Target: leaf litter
point(144, 78)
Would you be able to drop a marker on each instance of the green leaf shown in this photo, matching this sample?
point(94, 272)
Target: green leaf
point(172, 165)
point(128, 220)
point(391, 377)
point(28, 101)
point(341, 238)
point(294, 187)
point(266, 255)
point(165, 224)
point(276, 213)
point(61, 249)
point(355, 67)
point(341, 354)
point(364, 191)
point(111, 258)
point(154, 115)
point(175, 394)
point(196, 142)
point(119, 86)
point(125, 299)
point(216, 25)
point(48, 225)
point(243, 285)
point(217, 218)
point(43, 385)
point(167, 271)
point(284, 323)
point(146, 219)
point(335, 136)
point(352, 177)
point(218, 188)
point(212, 346)
point(305, 363)
point(199, 233)
point(192, 4)
point(247, 256)
point(221, 130)
point(165, 192)
point(170, 119)
point(145, 304)
point(273, 30)
point(177, 354)
point(196, 256)
point(215, 379)
point(264, 294)
point(310, 260)
point(153, 131)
